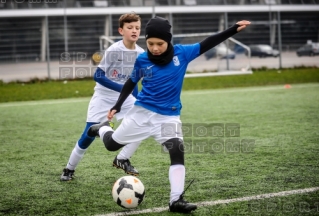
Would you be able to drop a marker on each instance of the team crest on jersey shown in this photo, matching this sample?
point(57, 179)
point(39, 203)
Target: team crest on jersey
point(119, 74)
point(176, 61)
point(114, 73)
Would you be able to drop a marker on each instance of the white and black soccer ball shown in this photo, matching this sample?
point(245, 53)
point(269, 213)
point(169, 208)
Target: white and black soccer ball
point(128, 192)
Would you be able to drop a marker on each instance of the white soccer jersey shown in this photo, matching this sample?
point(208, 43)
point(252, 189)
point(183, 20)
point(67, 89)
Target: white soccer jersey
point(117, 63)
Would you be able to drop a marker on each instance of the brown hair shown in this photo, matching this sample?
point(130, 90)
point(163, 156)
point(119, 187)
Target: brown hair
point(127, 18)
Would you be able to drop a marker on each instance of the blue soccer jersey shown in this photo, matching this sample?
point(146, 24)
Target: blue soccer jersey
point(162, 85)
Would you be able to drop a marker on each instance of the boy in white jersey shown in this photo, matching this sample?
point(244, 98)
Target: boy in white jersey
point(110, 75)
point(156, 112)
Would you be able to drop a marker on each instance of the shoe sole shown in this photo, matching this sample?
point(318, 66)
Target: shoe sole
point(130, 173)
point(183, 212)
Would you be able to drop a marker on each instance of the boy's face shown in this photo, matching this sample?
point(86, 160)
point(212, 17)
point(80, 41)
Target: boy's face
point(156, 46)
point(131, 31)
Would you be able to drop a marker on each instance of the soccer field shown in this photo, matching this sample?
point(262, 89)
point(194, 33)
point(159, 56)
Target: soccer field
point(270, 144)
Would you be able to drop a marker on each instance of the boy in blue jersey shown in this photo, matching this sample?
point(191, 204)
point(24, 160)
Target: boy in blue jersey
point(110, 75)
point(156, 112)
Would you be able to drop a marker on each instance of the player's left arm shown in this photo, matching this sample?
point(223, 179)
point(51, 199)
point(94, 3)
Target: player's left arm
point(128, 87)
point(216, 39)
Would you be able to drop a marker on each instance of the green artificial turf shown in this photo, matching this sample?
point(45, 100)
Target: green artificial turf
point(281, 125)
point(43, 89)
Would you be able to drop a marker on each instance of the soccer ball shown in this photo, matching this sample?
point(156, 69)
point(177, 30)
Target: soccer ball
point(128, 192)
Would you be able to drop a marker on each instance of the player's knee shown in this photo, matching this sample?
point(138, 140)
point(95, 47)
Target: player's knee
point(85, 140)
point(109, 142)
point(175, 147)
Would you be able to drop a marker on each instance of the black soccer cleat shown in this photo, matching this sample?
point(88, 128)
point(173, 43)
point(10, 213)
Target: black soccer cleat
point(67, 175)
point(93, 131)
point(126, 166)
point(182, 206)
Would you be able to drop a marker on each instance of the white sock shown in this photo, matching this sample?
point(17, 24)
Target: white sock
point(177, 181)
point(75, 157)
point(128, 150)
point(103, 130)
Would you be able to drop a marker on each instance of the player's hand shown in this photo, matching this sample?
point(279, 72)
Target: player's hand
point(111, 114)
point(242, 24)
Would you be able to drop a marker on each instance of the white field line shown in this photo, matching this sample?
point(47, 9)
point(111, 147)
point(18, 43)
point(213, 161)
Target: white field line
point(249, 89)
point(44, 102)
point(195, 92)
point(217, 202)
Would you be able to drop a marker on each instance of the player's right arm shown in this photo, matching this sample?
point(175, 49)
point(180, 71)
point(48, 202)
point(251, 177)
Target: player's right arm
point(103, 68)
point(99, 77)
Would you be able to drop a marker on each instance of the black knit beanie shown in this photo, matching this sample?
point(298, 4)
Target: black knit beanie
point(158, 27)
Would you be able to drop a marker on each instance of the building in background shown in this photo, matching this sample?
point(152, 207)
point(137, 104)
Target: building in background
point(76, 25)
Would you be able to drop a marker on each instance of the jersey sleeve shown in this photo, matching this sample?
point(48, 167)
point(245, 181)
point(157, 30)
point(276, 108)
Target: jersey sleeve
point(191, 51)
point(137, 72)
point(99, 77)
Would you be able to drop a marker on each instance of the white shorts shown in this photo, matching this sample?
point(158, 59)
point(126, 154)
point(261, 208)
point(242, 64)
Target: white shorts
point(140, 124)
point(100, 104)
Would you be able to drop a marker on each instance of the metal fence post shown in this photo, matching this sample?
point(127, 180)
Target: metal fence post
point(65, 29)
point(279, 39)
point(48, 46)
point(227, 44)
